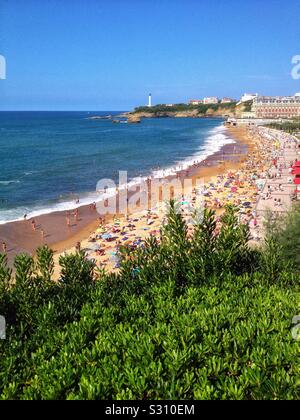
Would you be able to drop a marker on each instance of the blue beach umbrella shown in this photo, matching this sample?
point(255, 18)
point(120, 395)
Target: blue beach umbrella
point(106, 236)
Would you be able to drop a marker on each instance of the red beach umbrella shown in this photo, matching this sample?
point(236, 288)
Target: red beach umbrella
point(297, 180)
point(296, 171)
point(297, 164)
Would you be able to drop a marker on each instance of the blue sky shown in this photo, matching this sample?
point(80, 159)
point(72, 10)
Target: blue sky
point(108, 55)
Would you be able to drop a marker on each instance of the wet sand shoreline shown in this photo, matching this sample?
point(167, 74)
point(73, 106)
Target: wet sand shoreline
point(20, 237)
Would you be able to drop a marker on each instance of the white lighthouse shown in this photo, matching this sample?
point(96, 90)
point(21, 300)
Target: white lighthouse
point(150, 101)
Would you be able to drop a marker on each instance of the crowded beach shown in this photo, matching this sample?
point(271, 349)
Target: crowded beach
point(255, 174)
point(261, 182)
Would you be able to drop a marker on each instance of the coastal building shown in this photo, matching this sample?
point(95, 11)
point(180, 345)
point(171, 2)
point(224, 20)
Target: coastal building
point(227, 101)
point(211, 100)
point(248, 115)
point(196, 101)
point(150, 101)
point(276, 106)
point(248, 97)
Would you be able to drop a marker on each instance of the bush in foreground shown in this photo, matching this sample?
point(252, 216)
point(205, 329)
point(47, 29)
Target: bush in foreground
point(202, 318)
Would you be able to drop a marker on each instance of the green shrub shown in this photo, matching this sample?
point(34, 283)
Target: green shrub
point(190, 318)
point(45, 262)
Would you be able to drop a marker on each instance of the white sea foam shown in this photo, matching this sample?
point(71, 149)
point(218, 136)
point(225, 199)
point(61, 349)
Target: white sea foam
point(9, 182)
point(216, 139)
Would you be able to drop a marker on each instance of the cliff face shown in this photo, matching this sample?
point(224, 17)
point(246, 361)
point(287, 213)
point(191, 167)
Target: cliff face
point(220, 112)
point(133, 118)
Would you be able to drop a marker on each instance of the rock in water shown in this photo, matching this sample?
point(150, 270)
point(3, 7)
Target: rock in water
point(133, 119)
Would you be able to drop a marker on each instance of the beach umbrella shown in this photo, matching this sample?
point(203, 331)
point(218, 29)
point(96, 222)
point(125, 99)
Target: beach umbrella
point(296, 171)
point(297, 181)
point(106, 236)
point(100, 230)
point(247, 205)
point(297, 164)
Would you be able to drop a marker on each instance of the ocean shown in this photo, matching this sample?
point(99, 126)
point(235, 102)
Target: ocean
point(51, 159)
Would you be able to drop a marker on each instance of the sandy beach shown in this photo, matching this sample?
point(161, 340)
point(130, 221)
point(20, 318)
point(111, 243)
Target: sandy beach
point(225, 177)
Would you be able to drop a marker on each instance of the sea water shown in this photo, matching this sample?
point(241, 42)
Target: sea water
point(49, 160)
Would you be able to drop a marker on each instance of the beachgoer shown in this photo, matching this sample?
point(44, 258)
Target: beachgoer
point(4, 247)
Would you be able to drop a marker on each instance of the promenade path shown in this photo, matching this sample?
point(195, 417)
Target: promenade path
point(277, 195)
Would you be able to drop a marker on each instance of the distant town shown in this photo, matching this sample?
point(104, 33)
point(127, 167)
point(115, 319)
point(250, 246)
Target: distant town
point(257, 107)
